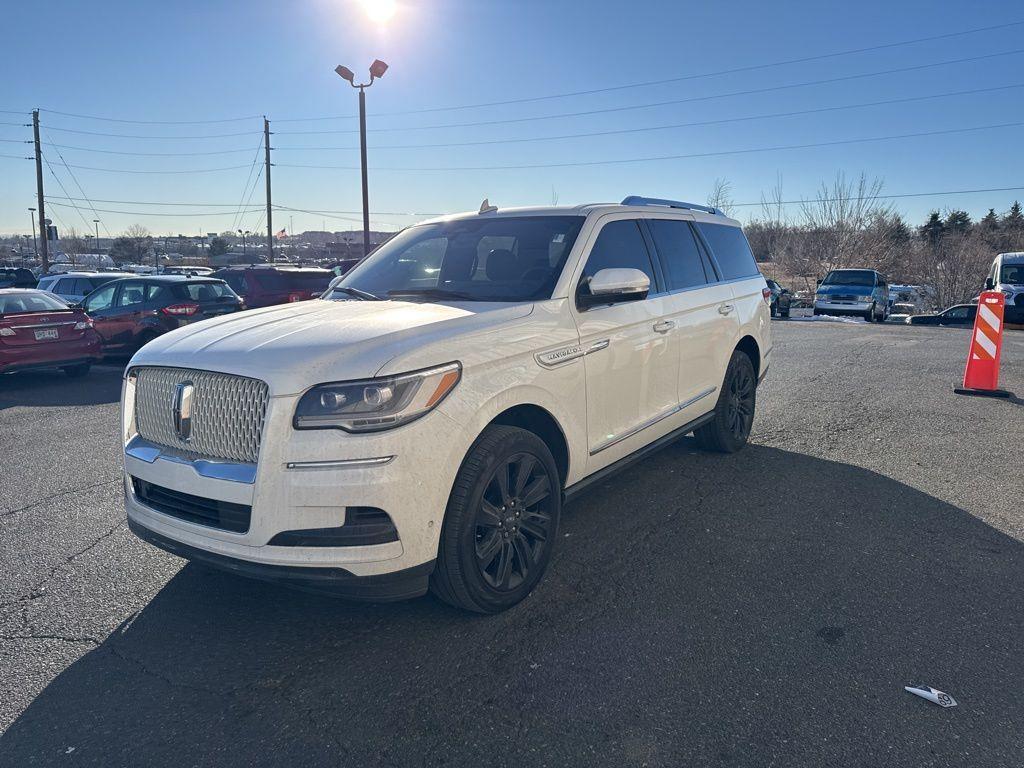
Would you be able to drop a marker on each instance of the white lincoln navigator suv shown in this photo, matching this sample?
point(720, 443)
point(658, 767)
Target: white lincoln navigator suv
point(421, 425)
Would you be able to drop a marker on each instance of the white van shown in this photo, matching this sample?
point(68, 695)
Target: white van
point(1007, 275)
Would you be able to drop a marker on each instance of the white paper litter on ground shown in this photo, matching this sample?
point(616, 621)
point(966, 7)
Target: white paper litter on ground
point(934, 695)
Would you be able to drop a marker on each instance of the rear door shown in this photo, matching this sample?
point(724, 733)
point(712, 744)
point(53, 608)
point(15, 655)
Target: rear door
point(694, 302)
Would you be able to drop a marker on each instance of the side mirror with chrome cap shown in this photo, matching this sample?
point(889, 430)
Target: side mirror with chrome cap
point(613, 286)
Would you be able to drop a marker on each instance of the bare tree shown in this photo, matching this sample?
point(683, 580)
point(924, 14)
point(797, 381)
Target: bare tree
point(839, 222)
point(721, 198)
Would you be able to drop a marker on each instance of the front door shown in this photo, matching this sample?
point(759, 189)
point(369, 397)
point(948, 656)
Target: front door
point(630, 358)
point(99, 305)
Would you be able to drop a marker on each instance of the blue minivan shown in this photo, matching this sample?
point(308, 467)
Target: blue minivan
point(862, 292)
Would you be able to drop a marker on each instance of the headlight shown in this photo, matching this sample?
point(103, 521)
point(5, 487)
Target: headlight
point(373, 405)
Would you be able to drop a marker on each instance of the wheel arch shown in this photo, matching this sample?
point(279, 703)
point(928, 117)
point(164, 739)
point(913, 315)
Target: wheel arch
point(542, 423)
point(748, 345)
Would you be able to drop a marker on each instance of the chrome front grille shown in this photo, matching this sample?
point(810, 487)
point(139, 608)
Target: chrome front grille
point(227, 412)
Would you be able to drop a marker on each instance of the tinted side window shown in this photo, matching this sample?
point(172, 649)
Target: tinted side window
point(132, 294)
point(731, 250)
point(64, 285)
point(101, 299)
point(679, 253)
point(620, 244)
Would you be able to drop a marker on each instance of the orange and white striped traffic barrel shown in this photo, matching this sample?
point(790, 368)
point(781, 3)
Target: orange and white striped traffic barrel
point(981, 375)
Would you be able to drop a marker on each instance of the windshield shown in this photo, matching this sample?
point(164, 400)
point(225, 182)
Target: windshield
point(30, 302)
point(1012, 274)
point(502, 258)
point(850, 277)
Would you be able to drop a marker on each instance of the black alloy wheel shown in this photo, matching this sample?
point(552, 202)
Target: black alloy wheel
point(729, 428)
point(512, 525)
point(501, 522)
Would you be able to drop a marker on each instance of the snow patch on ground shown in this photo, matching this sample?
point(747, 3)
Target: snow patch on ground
point(829, 319)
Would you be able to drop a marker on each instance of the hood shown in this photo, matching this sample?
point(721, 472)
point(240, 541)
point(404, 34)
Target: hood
point(293, 346)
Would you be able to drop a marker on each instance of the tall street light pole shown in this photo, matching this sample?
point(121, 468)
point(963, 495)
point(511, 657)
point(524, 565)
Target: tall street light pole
point(97, 223)
point(377, 70)
point(35, 245)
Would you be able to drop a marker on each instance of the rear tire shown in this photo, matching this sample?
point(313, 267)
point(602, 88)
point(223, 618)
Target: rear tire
point(77, 371)
point(501, 522)
point(729, 429)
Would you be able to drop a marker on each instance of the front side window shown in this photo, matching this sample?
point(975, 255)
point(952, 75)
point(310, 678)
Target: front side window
point(957, 313)
point(620, 245)
point(1012, 274)
point(491, 258)
point(680, 255)
point(101, 299)
point(731, 250)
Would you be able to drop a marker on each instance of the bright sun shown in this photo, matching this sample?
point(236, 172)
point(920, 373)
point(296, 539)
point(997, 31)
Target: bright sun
point(380, 11)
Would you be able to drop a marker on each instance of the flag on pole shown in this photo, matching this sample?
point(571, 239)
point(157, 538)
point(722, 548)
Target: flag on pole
point(281, 235)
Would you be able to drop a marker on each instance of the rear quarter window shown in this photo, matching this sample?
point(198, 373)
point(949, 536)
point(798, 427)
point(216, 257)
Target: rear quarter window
point(731, 250)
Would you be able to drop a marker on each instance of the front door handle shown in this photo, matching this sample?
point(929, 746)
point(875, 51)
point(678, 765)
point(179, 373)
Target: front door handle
point(725, 309)
point(664, 326)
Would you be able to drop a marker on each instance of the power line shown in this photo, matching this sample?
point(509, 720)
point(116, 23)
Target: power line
point(681, 78)
point(125, 170)
point(148, 154)
point(151, 122)
point(140, 136)
point(687, 100)
point(80, 188)
point(248, 177)
point(180, 214)
point(20, 125)
point(17, 157)
point(234, 205)
point(65, 191)
point(840, 142)
point(668, 126)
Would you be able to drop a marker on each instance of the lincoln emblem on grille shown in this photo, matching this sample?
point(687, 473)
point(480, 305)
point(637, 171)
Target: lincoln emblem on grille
point(183, 409)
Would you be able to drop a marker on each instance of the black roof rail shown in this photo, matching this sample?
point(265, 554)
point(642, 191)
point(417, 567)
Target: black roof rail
point(638, 200)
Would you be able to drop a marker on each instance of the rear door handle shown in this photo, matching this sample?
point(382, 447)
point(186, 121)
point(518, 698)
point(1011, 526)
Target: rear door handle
point(725, 309)
point(664, 326)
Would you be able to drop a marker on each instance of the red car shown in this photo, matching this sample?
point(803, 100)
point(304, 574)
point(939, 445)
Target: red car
point(267, 284)
point(38, 330)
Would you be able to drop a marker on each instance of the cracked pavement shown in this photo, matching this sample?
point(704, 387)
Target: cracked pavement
point(765, 608)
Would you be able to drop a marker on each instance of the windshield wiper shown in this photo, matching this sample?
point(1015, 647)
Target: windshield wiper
point(364, 295)
point(431, 293)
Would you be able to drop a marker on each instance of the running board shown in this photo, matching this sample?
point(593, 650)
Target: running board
point(627, 461)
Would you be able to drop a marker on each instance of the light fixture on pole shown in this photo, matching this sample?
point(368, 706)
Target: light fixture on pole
point(97, 223)
point(377, 70)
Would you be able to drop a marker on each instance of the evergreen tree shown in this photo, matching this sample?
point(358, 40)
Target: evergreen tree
point(933, 229)
point(990, 221)
point(958, 222)
point(1013, 220)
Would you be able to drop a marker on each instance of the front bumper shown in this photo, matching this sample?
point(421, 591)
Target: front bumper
point(299, 485)
point(398, 585)
point(827, 307)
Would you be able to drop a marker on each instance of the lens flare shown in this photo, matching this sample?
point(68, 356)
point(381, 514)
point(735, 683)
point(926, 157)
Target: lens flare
point(380, 11)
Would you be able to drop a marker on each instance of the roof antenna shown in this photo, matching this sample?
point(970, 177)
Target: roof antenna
point(486, 207)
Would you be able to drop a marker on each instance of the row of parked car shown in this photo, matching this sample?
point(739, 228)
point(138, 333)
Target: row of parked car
point(72, 320)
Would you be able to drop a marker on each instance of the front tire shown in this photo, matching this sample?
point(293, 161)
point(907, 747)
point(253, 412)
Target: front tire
point(728, 431)
point(501, 522)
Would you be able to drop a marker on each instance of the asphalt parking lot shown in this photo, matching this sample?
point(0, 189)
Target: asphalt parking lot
point(765, 608)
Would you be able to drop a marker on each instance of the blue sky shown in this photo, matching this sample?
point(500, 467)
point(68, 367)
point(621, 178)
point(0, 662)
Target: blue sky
point(213, 60)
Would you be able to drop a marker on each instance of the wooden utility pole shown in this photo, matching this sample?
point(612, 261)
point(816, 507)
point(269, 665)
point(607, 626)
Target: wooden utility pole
point(266, 172)
point(44, 254)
